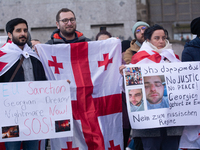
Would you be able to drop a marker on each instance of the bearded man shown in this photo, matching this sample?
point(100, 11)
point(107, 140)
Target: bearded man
point(19, 63)
point(66, 29)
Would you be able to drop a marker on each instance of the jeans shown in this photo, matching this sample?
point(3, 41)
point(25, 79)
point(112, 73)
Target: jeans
point(163, 142)
point(27, 145)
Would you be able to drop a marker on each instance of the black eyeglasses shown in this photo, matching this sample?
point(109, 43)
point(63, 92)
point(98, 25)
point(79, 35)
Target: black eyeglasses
point(65, 20)
point(139, 30)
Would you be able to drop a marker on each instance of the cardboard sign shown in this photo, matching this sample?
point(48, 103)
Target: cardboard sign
point(35, 110)
point(162, 95)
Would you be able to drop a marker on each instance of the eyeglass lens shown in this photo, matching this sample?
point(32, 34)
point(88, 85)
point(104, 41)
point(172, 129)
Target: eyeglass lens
point(139, 30)
point(72, 20)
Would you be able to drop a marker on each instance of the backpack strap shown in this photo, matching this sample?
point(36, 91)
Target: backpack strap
point(17, 68)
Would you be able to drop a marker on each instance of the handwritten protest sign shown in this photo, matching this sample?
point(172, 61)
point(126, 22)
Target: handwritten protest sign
point(35, 110)
point(161, 95)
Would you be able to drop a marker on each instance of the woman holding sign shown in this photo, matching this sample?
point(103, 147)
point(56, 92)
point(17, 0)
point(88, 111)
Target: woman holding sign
point(156, 49)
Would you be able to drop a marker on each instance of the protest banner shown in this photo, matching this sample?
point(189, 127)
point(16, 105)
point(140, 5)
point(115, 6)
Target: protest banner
point(162, 95)
point(35, 110)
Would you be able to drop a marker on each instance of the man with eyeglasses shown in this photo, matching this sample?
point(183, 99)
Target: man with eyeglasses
point(66, 29)
point(154, 90)
point(138, 33)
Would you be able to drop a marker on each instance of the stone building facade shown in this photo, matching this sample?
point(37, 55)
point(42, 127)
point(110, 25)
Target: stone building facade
point(174, 15)
point(116, 16)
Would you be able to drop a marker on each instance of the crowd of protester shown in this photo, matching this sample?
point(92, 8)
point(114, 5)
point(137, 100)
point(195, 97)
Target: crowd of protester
point(146, 38)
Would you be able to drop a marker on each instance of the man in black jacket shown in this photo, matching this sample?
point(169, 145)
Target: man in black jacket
point(191, 50)
point(31, 68)
point(66, 29)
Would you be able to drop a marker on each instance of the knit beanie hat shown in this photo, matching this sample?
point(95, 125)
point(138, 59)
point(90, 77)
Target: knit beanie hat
point(12, 23)
point(137, 24)
point(195, 26)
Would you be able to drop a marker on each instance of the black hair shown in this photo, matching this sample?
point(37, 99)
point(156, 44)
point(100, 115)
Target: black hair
point(103, 32)
point(149, 31)
point(63, 10)
point(12, 23)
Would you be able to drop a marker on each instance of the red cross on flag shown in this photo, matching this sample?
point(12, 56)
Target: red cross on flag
point(10, 53)
point(92, 68)
point(2, 64)
point(146, 55)
point(55, 64)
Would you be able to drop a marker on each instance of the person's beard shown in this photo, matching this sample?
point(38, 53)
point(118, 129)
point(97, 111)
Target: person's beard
point(141, 39)
point(18, 42)
point(67, 33)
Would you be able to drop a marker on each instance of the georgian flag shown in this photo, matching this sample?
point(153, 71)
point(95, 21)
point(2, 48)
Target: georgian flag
point(10, 53)
point(93, 69)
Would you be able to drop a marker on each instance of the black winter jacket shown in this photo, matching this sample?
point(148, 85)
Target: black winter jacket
point(38, 72)
point(191, 50)
point(57, 39)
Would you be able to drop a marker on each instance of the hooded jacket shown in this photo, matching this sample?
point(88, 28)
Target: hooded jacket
point(57, 39)
point(134, 48)
point(191, 50)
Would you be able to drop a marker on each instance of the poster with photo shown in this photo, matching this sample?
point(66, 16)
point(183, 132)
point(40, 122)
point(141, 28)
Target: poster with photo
point(162, 95)
point(35, 110)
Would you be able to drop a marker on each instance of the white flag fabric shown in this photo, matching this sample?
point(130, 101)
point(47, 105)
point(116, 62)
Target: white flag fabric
point(10, 54)
point(190, 138)
point(93, 69)
point(147, 55)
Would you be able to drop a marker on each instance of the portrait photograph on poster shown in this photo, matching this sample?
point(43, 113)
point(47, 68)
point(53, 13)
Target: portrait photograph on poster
point(156, 92)
point(136, 100)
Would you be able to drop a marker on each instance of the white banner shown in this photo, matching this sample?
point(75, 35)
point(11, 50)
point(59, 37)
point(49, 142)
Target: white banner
point(162, 95)
point(35, 110)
